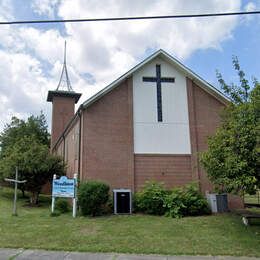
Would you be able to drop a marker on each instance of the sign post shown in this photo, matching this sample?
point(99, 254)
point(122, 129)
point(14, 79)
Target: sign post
point(16, 181)
point(64, 188)
point(75, 197)
point(53, 198)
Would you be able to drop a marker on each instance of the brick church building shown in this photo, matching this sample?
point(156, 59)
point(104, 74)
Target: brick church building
point(149, 124)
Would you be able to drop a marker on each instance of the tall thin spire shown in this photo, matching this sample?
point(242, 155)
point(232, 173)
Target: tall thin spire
point(64, 83)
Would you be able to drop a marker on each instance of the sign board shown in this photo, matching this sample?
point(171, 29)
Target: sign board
point(63, 187)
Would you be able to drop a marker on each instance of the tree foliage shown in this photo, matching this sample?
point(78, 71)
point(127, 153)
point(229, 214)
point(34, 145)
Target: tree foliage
point(238, 94)
point(232, 159)
point(34, 126)
point(25, 144)
point(36, 165)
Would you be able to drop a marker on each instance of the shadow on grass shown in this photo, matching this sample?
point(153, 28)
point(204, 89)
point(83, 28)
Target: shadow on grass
point(7, 193)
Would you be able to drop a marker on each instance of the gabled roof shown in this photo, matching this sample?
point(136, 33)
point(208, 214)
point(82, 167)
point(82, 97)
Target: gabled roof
point(167, 57)
point(160, 54)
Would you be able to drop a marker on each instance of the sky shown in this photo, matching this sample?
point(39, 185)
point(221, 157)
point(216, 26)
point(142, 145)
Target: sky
point(31, 56)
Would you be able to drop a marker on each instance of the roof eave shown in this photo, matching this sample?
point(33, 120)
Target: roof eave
point(61, 93)
point(189, 73)
point(118, 80)
point(197, 79)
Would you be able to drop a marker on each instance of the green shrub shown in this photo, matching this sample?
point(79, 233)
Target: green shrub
point(185, 201)
point(109, 208)
point(174, 203)
point(92, 197)
point(150, 200)
point(135, 198)
point(62, 205)
point(196, 204)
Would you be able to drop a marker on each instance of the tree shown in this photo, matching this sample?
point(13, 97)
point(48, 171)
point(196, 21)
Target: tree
point(232, 158)
point(25, 143)
point(34, 126)
point(36, 165)
point(255, 99)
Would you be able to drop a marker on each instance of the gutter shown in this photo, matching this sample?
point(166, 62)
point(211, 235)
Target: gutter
point(79, 148)
point(63, 137)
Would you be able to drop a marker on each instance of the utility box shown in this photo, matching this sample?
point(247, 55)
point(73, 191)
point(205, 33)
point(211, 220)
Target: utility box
point(222, 202)
point(122, 201)
point(217, 202)
point(212, 201)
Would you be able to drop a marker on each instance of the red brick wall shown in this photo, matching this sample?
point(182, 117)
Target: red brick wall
point(62, 113)
point(60, 148)
point(107, 152)
point(72, 150)
point(172, 170)
point(108, 138)
point(204, 116)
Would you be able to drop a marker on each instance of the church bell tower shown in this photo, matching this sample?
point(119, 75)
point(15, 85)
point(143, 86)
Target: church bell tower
point(63, 103)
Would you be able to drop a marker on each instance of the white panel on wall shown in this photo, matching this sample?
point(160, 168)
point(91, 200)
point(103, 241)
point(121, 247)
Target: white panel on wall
point(171, 136)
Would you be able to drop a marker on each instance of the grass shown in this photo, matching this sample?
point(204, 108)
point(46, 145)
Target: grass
point(209, 235)
point(255, 199)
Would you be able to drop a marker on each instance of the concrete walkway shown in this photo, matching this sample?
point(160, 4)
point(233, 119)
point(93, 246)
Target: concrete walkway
point(21, 254)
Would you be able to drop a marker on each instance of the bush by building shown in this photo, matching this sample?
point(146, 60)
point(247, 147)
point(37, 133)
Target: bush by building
point(151, 199)
point(183, 201)
point(92, 197)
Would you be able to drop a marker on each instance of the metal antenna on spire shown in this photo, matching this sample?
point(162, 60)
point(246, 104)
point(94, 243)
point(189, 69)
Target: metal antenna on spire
point(65, 50)
point(64, 83)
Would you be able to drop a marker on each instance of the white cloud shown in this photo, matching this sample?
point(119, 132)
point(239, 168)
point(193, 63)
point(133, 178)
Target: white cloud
point(23, 87)
point(44, 7)
point(103, 50)
point(251, 6)
point(46, 45)
point(95, 45)
point(6, 10)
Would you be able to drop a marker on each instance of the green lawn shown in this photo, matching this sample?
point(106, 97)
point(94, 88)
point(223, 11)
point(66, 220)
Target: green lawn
point(252, 198)
point(210, 235)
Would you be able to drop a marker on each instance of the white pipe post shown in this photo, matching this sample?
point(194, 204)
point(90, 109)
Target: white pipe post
point(15, 191)
point(75, 196)
point(53, 198)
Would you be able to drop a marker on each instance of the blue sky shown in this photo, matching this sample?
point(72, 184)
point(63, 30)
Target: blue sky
point(31, 55)
point(245, 44)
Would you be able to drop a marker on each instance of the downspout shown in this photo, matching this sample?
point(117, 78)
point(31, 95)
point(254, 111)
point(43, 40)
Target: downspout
point(78, 114)
point(63, 137)
point(79, 148)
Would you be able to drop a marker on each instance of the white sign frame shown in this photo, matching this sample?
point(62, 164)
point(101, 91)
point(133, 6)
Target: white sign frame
point(74, 197)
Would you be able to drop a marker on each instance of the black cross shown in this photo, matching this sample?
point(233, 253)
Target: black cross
point(158, 81)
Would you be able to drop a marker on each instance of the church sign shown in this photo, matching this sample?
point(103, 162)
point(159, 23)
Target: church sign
point(63, 187)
